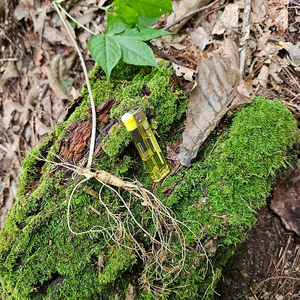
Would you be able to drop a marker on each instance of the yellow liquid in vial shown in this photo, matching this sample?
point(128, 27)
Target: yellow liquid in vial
point(149, 151)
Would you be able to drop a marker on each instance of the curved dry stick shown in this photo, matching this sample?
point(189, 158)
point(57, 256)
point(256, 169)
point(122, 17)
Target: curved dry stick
point(93, 134)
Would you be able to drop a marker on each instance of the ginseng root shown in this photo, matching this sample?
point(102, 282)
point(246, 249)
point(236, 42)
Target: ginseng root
point(165, 253)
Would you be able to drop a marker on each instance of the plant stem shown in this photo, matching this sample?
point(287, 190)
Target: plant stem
point(93, 134)
point(74, 20)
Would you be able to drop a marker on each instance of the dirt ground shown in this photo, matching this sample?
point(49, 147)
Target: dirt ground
point(36, 51)
point(265, 265)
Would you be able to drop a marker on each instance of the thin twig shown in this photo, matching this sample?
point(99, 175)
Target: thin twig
point(8, 59)
point(246, 33)
point(291, 75)
point(165, 55)
point(74, 20)
point(4, 148)
point(41, 34)
point(210, 12)
point(5, 134)
point(283, 254)
point(190, 14)
point(273, 278)
point(13, 43)
point(93, 134)
point(253, 293)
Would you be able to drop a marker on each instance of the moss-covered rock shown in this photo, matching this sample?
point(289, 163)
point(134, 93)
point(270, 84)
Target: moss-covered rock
point(217, 198)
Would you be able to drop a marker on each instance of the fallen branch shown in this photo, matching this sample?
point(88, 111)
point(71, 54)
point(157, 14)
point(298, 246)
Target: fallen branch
point(246, 33)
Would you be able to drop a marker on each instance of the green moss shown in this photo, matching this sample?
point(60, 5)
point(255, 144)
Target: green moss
point(217, 198)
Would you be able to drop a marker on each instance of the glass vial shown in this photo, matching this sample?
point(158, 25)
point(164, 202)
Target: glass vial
point(137, 125)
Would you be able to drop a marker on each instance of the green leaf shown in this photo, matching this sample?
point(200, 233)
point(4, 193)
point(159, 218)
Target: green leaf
point(106, 51)
point(127, 14)
point(146, 22)
point(115, 24)
point(150, 8)
point(135, 52)
point(144, 34)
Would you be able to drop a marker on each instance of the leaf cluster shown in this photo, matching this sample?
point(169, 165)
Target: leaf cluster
point(127, 30)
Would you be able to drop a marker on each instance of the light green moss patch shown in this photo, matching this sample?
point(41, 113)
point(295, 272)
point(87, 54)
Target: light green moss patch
point(217, 198)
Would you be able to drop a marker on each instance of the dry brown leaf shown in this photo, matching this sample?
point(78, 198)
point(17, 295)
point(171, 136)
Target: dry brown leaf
point(23, 9)
point(87, 17)
point(59, 77)
point(101, 3)
point(9, 107)
point(66, 33)
point(74, 93)
point(245, 90)
point(218, 28)
point(41, 129)
point(263, 76)
point(184, 7)
point(54, 36)
point(277, 15)
point(184, 72)
point(230, 50)
point(70, 59)
point(216, 88)
point(294, 51)
point(228, 19)
point(10, 72)
point(82, 6)
point(230, 16)
point(38, 57)
point(83, 39)
point(258, 11)
point(39, 21)
point(286, 202)
point(200, 38)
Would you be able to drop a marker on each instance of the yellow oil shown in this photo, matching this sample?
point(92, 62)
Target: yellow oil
point(149, 151)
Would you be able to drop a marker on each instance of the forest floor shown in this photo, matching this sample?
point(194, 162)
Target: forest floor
point(40, 72)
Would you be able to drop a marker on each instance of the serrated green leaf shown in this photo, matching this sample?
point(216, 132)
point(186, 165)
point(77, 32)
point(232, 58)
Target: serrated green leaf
point(106, 51)
point(135, 52)
point(143, 34)
point(150, 8)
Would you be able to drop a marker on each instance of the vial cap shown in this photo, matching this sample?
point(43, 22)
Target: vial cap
point(129, 121)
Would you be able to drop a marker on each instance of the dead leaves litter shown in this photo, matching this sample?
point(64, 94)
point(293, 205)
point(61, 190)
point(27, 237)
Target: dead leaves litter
point(209, 101)
point(10, 73)
point(59, 77)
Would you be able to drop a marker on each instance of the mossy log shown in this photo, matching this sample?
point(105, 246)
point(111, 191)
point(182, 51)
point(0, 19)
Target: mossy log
point(217, 197)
